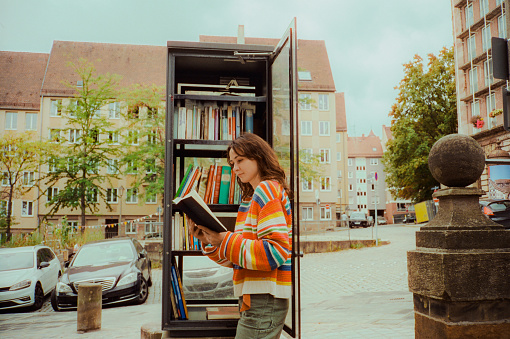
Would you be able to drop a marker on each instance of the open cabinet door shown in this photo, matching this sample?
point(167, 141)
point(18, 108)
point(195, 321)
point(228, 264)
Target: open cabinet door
point(285, 142)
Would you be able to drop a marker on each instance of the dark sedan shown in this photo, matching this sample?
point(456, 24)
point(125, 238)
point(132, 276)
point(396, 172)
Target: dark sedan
point(497, 210)
point(121, 266)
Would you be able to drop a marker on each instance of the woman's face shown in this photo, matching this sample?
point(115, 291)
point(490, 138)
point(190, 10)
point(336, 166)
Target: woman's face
point(246, 169)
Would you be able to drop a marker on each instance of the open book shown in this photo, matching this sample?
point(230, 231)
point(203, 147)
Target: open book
point(198, 211)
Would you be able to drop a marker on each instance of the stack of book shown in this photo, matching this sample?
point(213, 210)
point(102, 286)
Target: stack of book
point(213, 123)
point(179, 308)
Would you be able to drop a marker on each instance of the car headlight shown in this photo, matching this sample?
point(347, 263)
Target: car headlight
point(63, 288)
point(20, 285)
point(128, 279)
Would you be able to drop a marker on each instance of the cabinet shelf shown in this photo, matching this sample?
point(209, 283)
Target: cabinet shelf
point(232, 98)
point(217, 208)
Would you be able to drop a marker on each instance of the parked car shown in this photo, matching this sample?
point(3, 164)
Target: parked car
point(381, 220)
point(120, 265)
point(358, 219)
point(370, 220)
point(27, 275)
point(497, 210)
point(204, 279)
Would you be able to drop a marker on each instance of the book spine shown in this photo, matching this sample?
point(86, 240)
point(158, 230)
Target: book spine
point(183, 182)
point(178, 290)
point(209, 184)
point(238, 121)
point(217, 184)
point(249, 121)
point(224, 185)
point(174, 288)
point(211, 123)
point(231, 191)
point(224, 124)
point(229, 122)
point(179, 281)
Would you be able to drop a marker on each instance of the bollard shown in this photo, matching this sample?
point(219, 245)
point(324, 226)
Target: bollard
point(459, 271)
point(89, 307)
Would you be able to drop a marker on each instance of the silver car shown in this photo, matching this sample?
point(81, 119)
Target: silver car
point(204, 279)
point(27, 275)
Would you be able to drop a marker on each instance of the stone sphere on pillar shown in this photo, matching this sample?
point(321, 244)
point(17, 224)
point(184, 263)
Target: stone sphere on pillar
point(456, 160)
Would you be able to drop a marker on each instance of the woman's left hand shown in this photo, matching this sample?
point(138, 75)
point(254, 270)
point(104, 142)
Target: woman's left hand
point(206, 235)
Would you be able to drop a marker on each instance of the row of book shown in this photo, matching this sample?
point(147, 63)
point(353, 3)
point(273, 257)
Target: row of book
point(179, 307)
point(182, 237)
point(213, 123)
point(215, 184)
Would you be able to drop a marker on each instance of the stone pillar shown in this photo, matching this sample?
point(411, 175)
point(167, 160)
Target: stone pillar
point(460, 271)
point(89, 307)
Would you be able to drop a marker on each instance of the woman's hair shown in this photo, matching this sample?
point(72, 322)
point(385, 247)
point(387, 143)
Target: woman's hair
point(255, 148)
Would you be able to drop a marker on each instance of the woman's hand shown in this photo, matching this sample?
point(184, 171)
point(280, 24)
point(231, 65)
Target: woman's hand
point(205, 235)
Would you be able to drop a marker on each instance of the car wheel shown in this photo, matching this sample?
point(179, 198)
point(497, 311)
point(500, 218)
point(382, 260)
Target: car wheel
point(38, 297)
point(143, 293)
point(54, 303)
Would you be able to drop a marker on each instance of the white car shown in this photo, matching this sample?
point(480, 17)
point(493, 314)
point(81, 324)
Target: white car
point(27, 275)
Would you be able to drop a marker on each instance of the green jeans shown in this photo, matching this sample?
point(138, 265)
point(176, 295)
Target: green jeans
point(264, 319)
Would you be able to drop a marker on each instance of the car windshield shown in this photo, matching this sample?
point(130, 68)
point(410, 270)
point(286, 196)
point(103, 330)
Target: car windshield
point(357, 215)
point(104, 253)
point(499, 206)
point(16, 261)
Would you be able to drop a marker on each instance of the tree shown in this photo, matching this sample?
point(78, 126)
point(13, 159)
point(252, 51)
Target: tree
point(85, 152)
point(425, 111)
point(20, 157)
point(144, 157)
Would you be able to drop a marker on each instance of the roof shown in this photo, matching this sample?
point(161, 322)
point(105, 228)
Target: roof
point(21, 76)
point(312, 56)
point(341, 119)
point(365, 146)
point(137, 64)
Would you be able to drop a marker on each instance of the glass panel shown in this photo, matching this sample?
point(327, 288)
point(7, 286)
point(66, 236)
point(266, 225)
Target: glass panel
point(284, 108)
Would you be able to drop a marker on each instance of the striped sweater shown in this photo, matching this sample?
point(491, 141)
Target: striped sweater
point(259, 250)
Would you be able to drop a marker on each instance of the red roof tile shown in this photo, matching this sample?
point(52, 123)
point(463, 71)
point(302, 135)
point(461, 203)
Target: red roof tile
point(21, 77)
point(364, 146)
point(312, 56)
point(137, 64)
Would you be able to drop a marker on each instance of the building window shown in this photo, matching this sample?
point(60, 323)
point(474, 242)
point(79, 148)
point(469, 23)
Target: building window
point(51, 193)
point(469, 15)
point(349, 162)
point(325, 213)
point(286, 127)
point(11, 120)
point(91, 195)
point(339, 174)
point(374, 161)
point(471, 47)
point(338, 137)
point(3, 207)
point(323, 102)
point(150, 166)
point(307, 185)
point(306, 128)
point(475, 108)
point(130, 228)
point(5, 179)
point(306, 155)
point(473, 80)
point(74, 136)
point(324, 156)
point(307, 213)
point(490, 101)
point(56, 108)
point(152, 138)
point(338, 156)
point(484, 7)
point(350, 175)
point(133, 137)
point(324, 128)
point(305, 101)
point(30, 121)
point(151, 227)
point(113, 137)
point(151, 198)
point(132, 167)
point(502, 26)
point(27, 208)
point(113, 166)
point(114, 110)
point(325, 183)
point(52, 165)
point(132, 196)
point(55, 135)
point(304, 76)
point(28, 178)
point(111, 195)
point(73, 107)
point(487, 71)
point(486, 37)
point(351, 187)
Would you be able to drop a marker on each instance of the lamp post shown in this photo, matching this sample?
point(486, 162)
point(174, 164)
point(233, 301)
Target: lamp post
point(121, 193)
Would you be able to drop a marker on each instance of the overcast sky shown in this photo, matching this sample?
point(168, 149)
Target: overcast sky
point(367, 41)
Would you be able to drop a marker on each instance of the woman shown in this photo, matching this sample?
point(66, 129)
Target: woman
point(259, 250)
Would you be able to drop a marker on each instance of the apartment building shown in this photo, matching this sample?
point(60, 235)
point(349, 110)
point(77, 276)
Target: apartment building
point(341, 155)
point(318, 111)
point(366, 193)
point(479, 95)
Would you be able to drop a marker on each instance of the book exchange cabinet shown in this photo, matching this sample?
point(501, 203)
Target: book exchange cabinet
point(215, 92)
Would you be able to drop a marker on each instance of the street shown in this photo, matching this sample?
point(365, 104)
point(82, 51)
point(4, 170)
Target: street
point(359, 293)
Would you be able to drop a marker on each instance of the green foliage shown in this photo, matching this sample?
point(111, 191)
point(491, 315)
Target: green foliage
point(425, 111)
point(81, 154)
point(20, 240)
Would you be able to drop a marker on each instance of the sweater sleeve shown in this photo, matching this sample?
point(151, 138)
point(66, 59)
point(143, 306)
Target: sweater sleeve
point(270, 246)
point(213, 253)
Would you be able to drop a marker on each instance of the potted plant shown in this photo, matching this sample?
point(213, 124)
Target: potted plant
point(477, 121)
point(495, 112)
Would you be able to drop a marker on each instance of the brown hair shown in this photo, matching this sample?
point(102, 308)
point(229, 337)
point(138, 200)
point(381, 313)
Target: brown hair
point(255, 148)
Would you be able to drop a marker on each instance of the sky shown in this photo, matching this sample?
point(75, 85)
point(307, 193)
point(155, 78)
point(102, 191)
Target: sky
point(367, 41)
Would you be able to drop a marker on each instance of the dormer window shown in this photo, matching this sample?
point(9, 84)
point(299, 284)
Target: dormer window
point(304, 76)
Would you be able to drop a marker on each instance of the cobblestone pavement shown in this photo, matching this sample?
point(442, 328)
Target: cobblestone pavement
point(359, 293)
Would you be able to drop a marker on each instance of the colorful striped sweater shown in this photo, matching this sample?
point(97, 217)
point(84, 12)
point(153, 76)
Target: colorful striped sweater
point(259, 250)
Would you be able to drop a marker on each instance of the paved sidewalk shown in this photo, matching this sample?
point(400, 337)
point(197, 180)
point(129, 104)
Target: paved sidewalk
point(359, 293)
